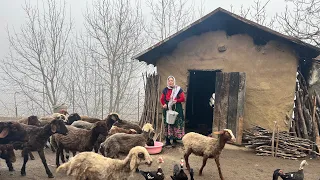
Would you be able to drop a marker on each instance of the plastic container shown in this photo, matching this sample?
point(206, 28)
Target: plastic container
point(171, 116)
point(157, 148)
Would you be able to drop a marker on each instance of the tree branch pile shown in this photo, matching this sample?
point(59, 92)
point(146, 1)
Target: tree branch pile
point(277, 144)
point(151, 100)
point(306, 121)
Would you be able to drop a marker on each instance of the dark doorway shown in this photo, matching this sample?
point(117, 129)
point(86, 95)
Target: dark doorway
point(199, 114)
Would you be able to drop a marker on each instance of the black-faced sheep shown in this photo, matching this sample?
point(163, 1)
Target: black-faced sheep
point(78, 140)
point(207, 147)
point(122, 143)
point(31, 120)
point(90, 165)
point(34, 121)
point(110, 120)
point(72, 118)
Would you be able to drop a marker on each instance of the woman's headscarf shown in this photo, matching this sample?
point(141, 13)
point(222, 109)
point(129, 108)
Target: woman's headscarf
point(174, 82)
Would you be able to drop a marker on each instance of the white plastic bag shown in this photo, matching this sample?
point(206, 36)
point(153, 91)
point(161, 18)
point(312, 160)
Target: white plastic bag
point(171, 116)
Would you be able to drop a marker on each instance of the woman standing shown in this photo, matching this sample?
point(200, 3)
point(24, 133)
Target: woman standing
point(171, 98)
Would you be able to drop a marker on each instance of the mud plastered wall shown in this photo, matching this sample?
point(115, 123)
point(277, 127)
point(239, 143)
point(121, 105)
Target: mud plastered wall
point(270, 71)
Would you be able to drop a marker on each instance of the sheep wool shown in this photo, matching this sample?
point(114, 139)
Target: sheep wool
point(90, 165)
point(147, 127)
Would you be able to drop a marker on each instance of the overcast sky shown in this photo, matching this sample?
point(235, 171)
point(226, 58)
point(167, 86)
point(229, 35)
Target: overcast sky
point(13, 15)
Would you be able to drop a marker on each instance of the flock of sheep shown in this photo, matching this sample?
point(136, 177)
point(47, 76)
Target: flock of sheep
point(109, 138)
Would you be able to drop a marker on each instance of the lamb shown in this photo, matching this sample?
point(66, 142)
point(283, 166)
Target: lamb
point(78, 139)
point(32, 138)
point(90, 165)
point(207, 147)
point(7, 153)
point(10, 131)
point(122, 143)
point(128, 125)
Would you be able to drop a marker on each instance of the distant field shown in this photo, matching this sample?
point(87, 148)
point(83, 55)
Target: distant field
point(9, 118)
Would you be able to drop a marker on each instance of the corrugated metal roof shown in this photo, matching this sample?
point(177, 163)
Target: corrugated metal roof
point(221, 19)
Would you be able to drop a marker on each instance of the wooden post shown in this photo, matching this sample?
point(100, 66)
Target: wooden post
point(315, 124)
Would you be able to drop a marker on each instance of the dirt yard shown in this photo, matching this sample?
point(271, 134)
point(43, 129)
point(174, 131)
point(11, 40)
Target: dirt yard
point(237, 164)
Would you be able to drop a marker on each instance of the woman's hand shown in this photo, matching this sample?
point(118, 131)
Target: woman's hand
point(164, 106)
point(174, 101)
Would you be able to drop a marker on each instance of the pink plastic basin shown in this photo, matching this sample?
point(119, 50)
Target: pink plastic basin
point(154, 149)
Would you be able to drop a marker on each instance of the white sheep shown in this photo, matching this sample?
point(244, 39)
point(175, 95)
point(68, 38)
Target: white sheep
point(207, 147)
point(90, 165)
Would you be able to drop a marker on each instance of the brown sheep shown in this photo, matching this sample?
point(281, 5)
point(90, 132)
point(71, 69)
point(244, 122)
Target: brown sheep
point(77, 139)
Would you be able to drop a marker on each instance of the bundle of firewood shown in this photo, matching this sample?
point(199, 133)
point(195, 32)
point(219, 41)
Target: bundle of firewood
point(151, 100)
point(306, 121)
point(277, 144)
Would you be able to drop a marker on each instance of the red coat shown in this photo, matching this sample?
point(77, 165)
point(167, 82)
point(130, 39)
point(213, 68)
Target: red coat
point(166, 93)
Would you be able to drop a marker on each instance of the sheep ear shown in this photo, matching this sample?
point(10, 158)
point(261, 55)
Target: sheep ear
point(218, 132)
point(4, 133)
point(133, 162)
point(53, 128)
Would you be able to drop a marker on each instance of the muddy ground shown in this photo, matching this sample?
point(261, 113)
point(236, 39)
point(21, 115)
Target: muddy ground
point(237, 164)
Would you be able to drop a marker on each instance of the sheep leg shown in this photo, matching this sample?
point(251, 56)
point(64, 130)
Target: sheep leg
point(102, 151)
point(57, 157)
point(62, 155)
point(31, 156)
point(204, 162)
point(186, 158)
point(8, 162)
point(219, 169)
point(25, 160)
point(44, 162)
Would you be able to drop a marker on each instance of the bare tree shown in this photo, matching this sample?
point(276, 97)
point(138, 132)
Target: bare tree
point(257, 13)
point(116, 27)
point(37, 57)
point(301, 20)
point(169, 16)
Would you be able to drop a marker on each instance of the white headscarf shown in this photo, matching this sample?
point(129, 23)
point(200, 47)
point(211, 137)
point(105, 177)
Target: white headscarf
point(175, 91)
point(174, 82)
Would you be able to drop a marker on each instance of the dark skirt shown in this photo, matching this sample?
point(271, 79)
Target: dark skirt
point(174, 131)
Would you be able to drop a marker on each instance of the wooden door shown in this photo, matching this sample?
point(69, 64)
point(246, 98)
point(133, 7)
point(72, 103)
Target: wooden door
point(229, 102)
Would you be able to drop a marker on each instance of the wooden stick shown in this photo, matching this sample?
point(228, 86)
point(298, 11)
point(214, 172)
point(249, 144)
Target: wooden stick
point(277, 143)
point(301, 117)
point(272, 140)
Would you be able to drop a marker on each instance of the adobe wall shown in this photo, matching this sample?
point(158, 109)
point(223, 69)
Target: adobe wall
point(270, 71)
